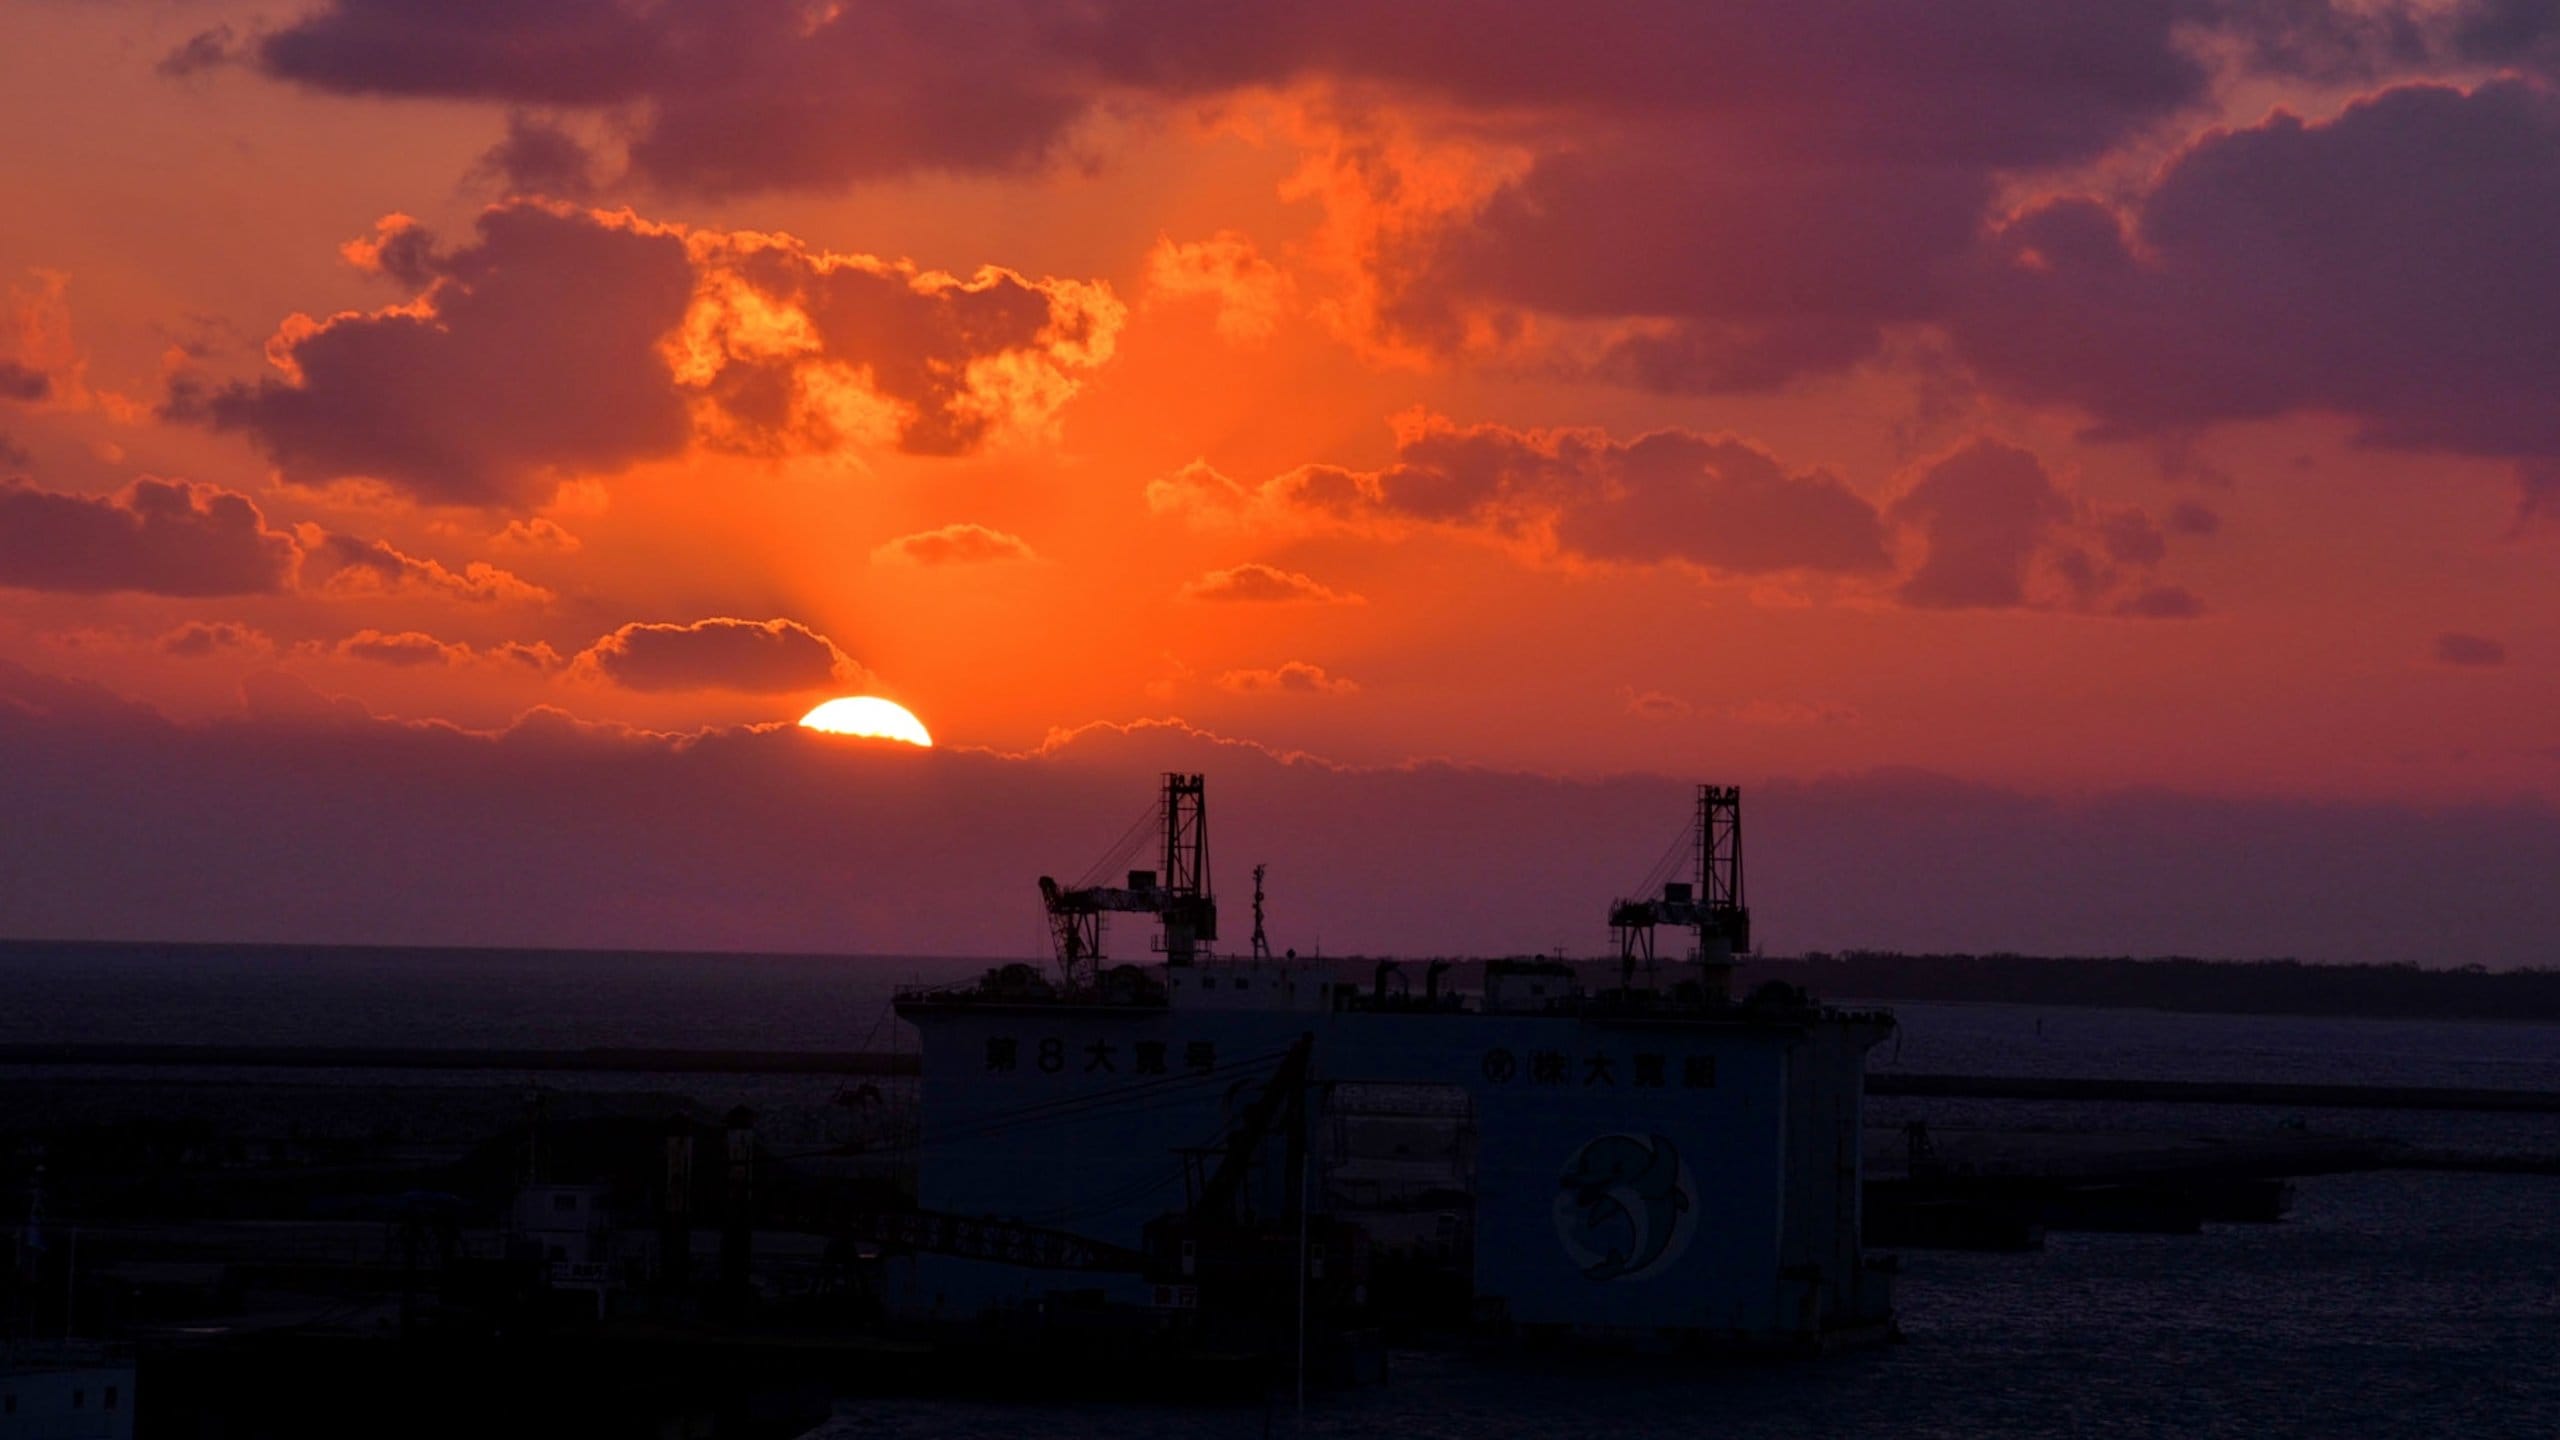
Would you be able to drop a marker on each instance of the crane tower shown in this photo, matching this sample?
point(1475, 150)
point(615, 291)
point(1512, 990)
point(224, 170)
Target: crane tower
point(1712, 904)
point(1179, 894)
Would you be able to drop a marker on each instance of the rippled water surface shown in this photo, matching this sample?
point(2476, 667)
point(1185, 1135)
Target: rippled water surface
point(2390, 1305)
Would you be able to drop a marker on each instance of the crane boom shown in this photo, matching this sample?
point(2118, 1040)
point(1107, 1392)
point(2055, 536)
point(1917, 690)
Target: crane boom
point(1179, 894)
point(1283, 1101)
point(1712, 905)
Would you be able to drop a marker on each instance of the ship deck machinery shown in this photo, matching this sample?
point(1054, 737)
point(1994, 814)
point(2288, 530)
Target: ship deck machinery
point(1653, 1165)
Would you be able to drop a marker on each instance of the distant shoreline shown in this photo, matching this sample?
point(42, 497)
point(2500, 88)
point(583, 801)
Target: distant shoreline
point(1853, 1000)
point(2172, 984)
point(2176, 985)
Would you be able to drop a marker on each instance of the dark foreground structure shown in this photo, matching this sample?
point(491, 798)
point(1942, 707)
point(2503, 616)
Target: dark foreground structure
point(1655, 1165)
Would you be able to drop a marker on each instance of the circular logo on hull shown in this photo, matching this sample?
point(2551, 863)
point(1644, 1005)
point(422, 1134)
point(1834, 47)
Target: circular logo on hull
point(1625, 1206)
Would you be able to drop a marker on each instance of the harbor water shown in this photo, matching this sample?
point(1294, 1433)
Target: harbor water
point(2395, 1303)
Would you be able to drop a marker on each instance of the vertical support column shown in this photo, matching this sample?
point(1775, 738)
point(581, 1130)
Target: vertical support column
point(1261, 943)
point(1190, 911)
point(737, 1215)
point(675, 1210)
point(1724, 919)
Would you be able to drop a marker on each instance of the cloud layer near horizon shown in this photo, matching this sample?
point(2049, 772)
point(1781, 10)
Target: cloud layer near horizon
point(556, 832)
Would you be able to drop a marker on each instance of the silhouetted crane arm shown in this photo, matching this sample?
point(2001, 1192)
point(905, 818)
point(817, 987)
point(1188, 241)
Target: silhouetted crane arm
point(1285, 1094)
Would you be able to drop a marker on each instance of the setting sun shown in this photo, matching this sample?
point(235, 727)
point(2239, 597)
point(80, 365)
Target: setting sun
point(869, 715)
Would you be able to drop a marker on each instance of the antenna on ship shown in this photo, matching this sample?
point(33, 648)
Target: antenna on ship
point(1261, 944)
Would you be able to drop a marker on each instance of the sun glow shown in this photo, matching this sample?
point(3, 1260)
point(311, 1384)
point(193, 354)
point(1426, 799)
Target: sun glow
point(868, 715)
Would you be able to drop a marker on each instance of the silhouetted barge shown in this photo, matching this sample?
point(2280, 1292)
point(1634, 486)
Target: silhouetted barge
point(1247, 1149)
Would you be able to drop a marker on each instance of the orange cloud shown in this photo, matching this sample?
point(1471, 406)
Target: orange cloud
point(399, 248)
point(1390, 193)
point(1293, 677)
point(337, 564)
point(1715, 503)
point(1257, 583)
point(565, 342)
point(161, 537)
point(536, 534)
point(1250, 293)
point(403, 648)
point(792, 348)
point(1200, 494)
point(2000, 532)
point(199, 639)
point(1994, 528)
point(722, 653)
point(957, 544)
point(409, 649)
point(36, 347)
point(1656, 705)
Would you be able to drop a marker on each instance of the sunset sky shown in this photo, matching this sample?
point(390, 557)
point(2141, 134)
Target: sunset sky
point(435, 435)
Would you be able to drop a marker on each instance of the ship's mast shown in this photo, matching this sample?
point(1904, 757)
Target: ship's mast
point(1261, 944)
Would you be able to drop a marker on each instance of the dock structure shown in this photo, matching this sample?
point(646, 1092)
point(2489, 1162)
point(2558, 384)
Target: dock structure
point(2284, 1094)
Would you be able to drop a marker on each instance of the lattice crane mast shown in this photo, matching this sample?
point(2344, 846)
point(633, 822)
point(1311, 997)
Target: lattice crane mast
point(1179, 894)
point(1712, 904)
point(1261, 942)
